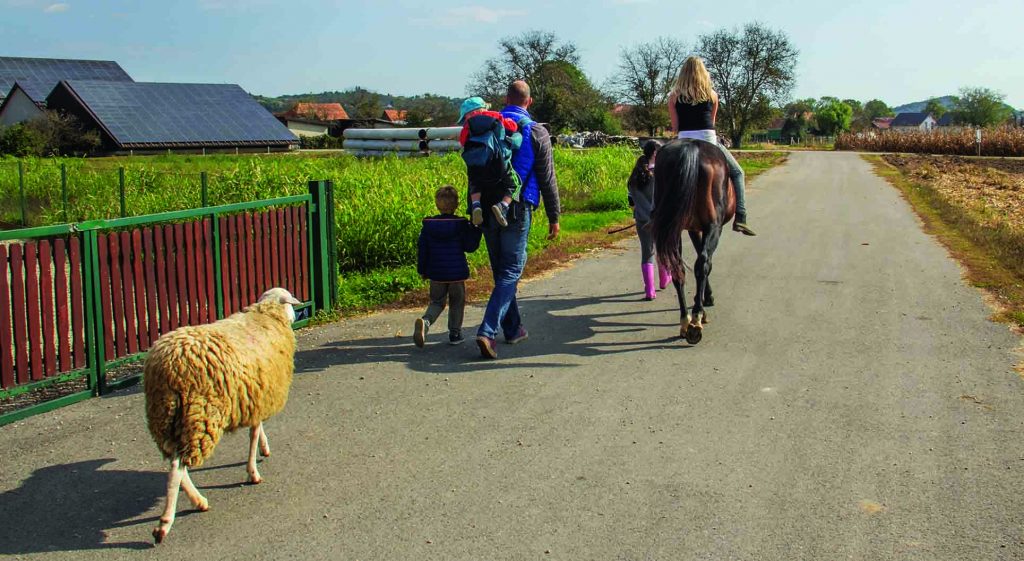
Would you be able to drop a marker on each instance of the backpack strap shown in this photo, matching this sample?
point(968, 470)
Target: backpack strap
point(522, 122)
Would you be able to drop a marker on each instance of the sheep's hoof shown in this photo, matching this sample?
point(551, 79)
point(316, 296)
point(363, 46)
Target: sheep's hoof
point(159, 534)
point(265, 452)
point(203, 506)
point(255, 480)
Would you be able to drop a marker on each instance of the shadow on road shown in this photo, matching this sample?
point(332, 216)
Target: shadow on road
point(559, 326)
point(70, 507)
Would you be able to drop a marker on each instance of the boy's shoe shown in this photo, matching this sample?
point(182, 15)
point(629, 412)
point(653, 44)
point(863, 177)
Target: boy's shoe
point(519, 337)
point(501, 213)
point(419, 332)
point(476, 214)
point(488, 349)
point(455, 337)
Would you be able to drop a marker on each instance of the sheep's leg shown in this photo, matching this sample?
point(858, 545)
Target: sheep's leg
point(167, 518)
point(254, 441)
point(193, 494)
point(264, 445)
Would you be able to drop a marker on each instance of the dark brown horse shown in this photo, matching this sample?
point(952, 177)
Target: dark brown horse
point(692, 193)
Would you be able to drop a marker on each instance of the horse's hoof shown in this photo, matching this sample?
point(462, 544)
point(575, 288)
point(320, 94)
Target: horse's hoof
point(159, 534)
point(709, 301)
point(704, 319)
point(693, 334)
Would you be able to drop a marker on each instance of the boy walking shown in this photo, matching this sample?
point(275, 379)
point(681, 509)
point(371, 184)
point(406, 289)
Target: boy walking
point(444, 241)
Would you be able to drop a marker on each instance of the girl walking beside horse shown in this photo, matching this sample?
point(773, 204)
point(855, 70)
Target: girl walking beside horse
point(641, 199)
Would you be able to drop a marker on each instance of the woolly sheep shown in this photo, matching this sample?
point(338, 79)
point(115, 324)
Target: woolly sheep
point(203, 380)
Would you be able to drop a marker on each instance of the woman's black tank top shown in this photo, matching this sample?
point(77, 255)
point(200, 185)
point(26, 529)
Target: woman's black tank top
point(694, 117)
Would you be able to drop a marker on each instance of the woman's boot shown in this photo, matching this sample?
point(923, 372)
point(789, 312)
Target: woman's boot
point(648, 271)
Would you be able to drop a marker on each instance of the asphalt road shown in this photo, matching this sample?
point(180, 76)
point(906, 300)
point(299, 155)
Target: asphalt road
point(850, 400)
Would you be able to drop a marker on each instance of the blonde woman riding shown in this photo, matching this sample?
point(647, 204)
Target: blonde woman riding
point(692, 107)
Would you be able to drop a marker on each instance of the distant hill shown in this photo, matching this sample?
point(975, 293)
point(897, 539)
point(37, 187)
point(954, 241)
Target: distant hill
point(918, 106)
point(359, 100)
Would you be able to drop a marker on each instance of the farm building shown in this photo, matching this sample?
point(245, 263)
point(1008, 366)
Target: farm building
point(881, 123)
point(911, 122)
point(25, 82)
point(396, 116)
point(315, 119)
point(138, 116)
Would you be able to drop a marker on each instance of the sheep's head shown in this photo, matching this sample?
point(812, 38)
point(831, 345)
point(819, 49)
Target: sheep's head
point(281, 296)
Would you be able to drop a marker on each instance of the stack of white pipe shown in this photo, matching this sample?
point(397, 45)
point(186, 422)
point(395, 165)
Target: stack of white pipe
point(401, 142)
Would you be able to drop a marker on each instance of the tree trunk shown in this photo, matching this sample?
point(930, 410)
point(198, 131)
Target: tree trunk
point(736, 138)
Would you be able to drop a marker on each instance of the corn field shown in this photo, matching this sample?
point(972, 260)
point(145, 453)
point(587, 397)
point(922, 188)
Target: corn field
point(1004, 141)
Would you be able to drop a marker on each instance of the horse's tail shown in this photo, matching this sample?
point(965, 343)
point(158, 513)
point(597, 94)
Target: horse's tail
point(674, 196)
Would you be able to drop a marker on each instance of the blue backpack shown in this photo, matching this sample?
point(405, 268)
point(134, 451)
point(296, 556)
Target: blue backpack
point(488, 151)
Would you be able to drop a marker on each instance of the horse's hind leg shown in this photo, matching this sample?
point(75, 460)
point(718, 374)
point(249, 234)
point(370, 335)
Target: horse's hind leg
point(709, 301)
point(701, 269)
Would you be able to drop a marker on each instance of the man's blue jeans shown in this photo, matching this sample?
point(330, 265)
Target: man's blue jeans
point(506, 248)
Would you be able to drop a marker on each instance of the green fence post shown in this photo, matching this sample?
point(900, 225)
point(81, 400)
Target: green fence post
point(93, 314)
point(321, 247)
point(120, 175)
point(332, 243)
point(218, 284)
point(202, 181)
point(21, 191)
point(64, 189)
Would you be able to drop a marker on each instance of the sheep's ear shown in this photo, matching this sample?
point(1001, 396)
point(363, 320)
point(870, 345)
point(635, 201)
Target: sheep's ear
point(290, 300)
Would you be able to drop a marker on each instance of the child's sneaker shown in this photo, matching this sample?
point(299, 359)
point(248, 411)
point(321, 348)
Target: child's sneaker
point(501, 213)
point(419, 332)
point(455, 337)
point(477, 214)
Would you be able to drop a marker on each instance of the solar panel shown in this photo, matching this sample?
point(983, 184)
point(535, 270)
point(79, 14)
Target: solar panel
point(142, 114)
point(44, 73)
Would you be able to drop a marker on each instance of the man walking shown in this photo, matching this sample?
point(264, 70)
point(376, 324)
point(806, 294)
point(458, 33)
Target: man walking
point(506, 245)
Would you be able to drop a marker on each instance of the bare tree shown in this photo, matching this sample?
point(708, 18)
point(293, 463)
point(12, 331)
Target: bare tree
point(644, 78)
point(751, 70)
point(520, 58)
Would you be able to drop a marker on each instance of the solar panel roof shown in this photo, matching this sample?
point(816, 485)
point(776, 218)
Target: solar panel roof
point(143, 114)
point(38, 74)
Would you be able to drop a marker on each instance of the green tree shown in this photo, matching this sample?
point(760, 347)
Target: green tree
point(50, 134)
point(832, 116)
point(566, 100)
point(429, 109)
point(644, 78)
point(363, 104)
point(520, 58)
point(751, 70)
point(797, 115)
point(981, 107)
point(876, 109)
point(935, 108)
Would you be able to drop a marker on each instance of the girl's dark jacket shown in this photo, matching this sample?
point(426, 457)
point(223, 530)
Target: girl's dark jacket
point(444, 241)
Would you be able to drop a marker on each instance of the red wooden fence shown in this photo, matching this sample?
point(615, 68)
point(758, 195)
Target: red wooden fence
point(152, 280)
point(42, 327)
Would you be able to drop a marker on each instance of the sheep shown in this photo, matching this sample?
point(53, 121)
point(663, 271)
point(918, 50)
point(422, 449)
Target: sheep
point(200, 381)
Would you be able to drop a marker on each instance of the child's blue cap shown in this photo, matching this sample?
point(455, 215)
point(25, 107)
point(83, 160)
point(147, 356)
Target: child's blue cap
point(470, 105)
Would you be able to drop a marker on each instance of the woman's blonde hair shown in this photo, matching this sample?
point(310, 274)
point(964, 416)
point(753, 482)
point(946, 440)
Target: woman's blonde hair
point(693, 85)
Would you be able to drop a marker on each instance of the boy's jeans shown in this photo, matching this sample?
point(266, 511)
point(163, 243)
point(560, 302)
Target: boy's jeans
point(452, 292)
point(506, 248)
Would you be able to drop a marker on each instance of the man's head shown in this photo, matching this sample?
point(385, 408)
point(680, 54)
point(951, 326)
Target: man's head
point(518, 94)
point(446, 199)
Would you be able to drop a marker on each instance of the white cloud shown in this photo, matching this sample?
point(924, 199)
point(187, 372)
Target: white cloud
point(57, 8)
point(479, 14)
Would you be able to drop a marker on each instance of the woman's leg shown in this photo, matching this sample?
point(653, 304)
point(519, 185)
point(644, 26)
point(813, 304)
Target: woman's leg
point(646, 259)
point(738, 180)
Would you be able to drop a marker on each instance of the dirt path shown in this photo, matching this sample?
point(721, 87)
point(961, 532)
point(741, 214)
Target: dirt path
point(849, 401)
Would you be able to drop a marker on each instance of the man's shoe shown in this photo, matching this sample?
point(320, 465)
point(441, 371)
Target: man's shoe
point(501, 213)
point(487, 347)
point(419, 332)
point(455, 337)
point(519, 337)
point(477, 215)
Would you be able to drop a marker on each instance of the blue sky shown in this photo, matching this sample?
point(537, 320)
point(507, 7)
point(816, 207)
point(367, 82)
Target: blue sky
point(895, 51)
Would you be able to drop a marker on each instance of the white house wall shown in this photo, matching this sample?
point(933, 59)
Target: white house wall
point(307, 129)
point(19, 108)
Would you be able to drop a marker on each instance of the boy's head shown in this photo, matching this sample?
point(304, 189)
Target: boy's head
point(447, 199)
point(470, 105)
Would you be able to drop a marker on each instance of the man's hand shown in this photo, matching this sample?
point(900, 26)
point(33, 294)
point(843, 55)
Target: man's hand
point(553, 230)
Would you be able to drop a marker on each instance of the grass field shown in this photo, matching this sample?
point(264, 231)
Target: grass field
point(380, 202)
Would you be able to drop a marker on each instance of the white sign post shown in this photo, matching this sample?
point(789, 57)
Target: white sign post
point(977, 139)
